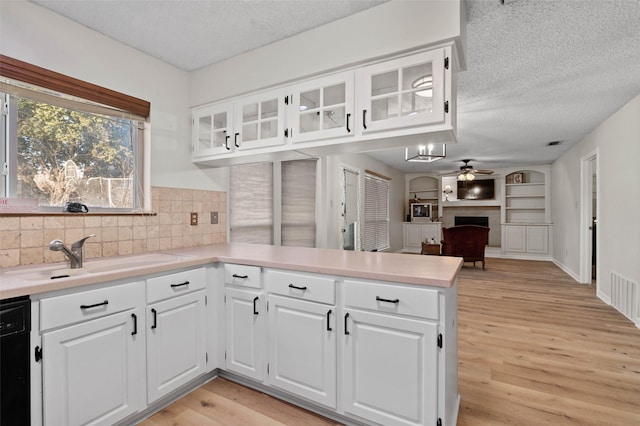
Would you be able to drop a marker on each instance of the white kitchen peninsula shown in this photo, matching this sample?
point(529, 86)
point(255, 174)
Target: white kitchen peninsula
point(364, 338)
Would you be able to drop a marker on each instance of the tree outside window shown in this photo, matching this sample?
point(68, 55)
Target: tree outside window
point(70, 155)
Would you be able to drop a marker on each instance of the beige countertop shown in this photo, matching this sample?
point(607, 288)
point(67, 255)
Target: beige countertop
point(438, 271)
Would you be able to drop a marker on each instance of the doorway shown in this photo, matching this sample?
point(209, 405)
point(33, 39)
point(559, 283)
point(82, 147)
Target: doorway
point(589, 220)
point(350, 213)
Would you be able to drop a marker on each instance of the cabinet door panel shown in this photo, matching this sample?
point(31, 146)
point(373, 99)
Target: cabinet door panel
point(413, 235)
point(302, 348)
point(244, 330)
point(401, 93)
point(323, 108)
point(515, 239)
point(390, 369)
point(89, 372)
point(537, 239)
point(259, 121)
point(212, 130)
point(431, 232)
point(176, 343)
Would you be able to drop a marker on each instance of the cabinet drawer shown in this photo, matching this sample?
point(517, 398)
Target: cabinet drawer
point(242, 275)
point(87, 305)
point(414, 301)
point(302, 286)
point(170, 285)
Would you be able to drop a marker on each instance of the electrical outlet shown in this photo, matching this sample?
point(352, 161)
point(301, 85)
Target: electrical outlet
point(194, 218)
point(214, 218)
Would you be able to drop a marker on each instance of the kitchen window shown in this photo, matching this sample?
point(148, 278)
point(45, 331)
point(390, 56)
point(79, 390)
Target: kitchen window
point(58, 147)
point(376, 213)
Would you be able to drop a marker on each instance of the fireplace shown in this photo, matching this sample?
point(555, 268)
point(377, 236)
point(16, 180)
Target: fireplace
point(472, 220)
point(450, 213)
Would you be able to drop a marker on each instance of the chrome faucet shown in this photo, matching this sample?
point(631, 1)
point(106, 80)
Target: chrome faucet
point(74, 255)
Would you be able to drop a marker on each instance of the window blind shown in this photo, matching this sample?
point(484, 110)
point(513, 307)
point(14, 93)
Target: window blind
point(251, 203)
point(376, 213)
point(298, 217)
point(41, 77)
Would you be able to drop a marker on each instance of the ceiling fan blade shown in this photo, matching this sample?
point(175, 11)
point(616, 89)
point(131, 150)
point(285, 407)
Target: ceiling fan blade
point(483, 172)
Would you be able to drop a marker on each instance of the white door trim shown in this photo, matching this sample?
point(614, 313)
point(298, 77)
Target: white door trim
point(586, 215)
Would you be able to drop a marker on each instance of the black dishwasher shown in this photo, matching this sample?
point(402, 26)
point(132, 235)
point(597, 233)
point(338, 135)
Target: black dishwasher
point(15, 325)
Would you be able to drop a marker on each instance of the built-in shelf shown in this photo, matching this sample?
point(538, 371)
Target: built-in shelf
point(423, 190)
point(471, 203)
point(426, 189)
point(525, 184)
point(524, 208)
point(526, 216)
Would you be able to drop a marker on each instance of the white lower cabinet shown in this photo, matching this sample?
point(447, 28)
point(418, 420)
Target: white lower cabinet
point(245, 316)
point(176, 343)
point(530, 239)
point(94, 370)
point(372, 351)
point(302, 348)
point(176, 331)
point(91, 369)
point(417, 233)
point(390, 368)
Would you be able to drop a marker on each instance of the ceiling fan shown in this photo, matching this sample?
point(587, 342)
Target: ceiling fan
point(467, 172)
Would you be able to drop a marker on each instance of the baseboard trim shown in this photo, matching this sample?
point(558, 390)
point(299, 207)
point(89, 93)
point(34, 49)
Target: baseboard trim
point(568, 271)
point(168, 400)
point(311, 406)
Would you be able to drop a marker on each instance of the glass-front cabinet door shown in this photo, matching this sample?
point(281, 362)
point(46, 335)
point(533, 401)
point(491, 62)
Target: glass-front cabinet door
point(259, 121)
point(212, 128)
point(323, 108)
point(404, 92)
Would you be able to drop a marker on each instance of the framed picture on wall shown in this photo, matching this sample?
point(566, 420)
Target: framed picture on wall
point(517, 178)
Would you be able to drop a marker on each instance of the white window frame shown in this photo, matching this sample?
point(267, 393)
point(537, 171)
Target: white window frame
point(27, 80)
point(8, 143)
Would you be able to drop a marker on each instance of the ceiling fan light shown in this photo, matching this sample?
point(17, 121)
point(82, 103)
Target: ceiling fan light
point(470, 176)
point(461, 176)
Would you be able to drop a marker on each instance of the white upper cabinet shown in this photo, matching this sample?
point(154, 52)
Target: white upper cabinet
point(405, 92)
point(259, 121)
point(249, 122)
point(212, 129)
point(378, 106)
point(322, 108)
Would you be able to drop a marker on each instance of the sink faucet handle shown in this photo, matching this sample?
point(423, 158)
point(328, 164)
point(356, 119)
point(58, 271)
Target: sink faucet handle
point(78, 244)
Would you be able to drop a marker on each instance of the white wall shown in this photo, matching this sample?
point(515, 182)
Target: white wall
point(33, 34)
point(392, 27)
point(332, 197)
point(617, 141)
point(57, 43)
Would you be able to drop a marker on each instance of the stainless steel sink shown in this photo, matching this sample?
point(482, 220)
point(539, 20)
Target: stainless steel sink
point(59, 271)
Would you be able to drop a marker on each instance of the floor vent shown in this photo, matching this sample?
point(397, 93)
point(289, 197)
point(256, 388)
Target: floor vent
point(625, 297)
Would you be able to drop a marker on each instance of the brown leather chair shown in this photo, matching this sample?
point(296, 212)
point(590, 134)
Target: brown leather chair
point(466, 241)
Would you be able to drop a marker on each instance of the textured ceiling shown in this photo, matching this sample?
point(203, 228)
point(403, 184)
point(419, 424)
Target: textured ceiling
point(537, 71)
point(193, 33)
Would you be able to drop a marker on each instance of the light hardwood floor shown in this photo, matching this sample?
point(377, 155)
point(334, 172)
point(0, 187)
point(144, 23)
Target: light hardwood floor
point(535, 348)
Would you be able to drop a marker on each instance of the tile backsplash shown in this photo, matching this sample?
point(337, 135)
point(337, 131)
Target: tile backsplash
point(24, 240)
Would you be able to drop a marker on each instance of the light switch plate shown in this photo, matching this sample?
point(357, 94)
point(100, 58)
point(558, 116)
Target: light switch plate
point(214, 218)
